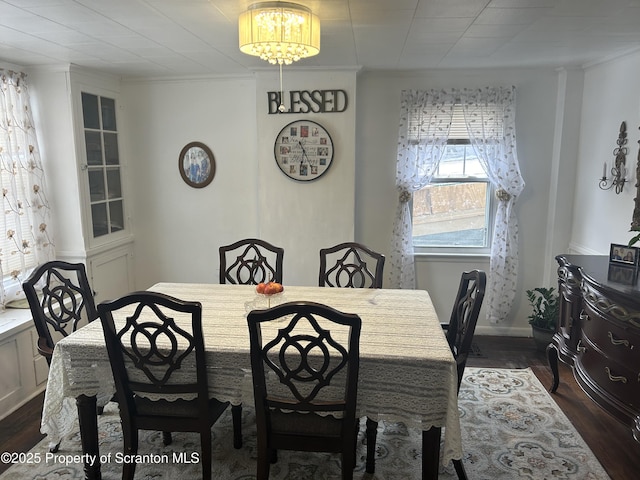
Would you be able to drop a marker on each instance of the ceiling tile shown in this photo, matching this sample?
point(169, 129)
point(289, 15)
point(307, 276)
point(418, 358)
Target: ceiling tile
point(144, 37)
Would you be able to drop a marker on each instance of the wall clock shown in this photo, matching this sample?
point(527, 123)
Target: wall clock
point(303, 150)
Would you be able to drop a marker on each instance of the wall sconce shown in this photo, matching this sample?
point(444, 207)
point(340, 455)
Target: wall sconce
point(619, 170)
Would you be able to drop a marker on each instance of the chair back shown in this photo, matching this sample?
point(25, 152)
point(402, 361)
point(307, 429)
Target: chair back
point(350, 264)
point(155, 347)
point(250, 261)
point(307, 364)
point(464, 317)
point(60, 300)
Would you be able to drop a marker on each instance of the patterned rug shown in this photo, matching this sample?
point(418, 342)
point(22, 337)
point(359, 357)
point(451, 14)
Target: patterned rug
point(511, 429)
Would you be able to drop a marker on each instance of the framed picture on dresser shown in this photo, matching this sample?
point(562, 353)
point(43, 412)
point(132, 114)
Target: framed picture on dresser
point(624, 255)
point(623, 264)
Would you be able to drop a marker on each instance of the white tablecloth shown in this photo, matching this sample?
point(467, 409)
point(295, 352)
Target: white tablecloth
point(407, 371)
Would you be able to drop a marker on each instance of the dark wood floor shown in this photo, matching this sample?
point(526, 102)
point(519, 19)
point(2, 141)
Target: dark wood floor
point(611, 441)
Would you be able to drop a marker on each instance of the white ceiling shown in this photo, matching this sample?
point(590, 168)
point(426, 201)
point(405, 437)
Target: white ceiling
point(200, 37)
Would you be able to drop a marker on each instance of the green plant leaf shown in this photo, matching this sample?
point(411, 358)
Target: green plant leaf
point(545, 307)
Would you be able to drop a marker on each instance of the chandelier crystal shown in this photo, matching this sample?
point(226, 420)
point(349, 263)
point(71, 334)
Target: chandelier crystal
point(279, 32)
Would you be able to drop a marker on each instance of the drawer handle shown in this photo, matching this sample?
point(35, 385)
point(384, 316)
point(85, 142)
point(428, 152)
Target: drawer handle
point(584, 316)
point(615, 341)
point(615, 378)
point(580, 348)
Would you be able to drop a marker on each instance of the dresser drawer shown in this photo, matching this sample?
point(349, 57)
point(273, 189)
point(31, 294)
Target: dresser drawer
point(619, 381)
point(618, 343)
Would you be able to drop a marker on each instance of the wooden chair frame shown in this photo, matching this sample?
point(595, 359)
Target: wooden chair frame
point(256, 261)
point(301, 388)
point(59, 298)
point(156, 366)
point(464, 317)
point(65, 299)
point(352, 268)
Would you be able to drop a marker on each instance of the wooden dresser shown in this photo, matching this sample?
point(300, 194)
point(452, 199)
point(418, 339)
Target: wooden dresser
point(599, 336)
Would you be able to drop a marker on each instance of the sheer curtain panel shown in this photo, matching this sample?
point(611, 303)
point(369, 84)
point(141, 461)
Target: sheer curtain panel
point(425, 120)
point(25, 217)
point(425, 123)
point(490, 117)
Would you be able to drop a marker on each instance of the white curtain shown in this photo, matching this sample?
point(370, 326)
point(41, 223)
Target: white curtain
point(489, 116)
point(425, 120)
point(25, 215)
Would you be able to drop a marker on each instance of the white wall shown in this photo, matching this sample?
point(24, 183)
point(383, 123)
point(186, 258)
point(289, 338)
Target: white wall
point(376, 198)
point(303, 217)
point(178, 229)
point(611, 95)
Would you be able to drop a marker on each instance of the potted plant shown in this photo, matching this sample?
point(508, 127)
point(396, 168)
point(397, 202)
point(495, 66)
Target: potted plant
point(544, 315)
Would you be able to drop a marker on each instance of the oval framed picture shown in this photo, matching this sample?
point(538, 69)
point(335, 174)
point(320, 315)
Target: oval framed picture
point(197, 165)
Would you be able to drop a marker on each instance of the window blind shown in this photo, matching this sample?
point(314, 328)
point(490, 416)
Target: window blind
point(457, 131)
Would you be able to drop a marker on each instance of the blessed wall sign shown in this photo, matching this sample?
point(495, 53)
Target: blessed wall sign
point(308, 101)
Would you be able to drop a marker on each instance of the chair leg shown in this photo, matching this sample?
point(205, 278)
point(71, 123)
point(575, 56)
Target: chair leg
point(457, 464)
point(371, 433)
point(349, 454)
point(348, 464)
point(236, 414)
point(130, 437)
point(263, 463)
point(205, 442)
point(166, 438)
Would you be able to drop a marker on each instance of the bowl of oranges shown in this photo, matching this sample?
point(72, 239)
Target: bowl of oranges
point(268, 294)
point(269, 288)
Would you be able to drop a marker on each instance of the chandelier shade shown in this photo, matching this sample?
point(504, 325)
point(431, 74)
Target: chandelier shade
point(279, 32)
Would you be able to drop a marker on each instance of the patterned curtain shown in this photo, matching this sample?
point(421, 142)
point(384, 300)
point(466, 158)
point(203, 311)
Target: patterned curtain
point(490, 119)
point(425, 120)
point(24, 220)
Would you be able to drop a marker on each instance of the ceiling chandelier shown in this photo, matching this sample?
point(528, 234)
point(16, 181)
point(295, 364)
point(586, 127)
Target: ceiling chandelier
point(279, 32)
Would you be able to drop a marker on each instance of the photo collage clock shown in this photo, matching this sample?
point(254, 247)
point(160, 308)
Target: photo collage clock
point(303, 150)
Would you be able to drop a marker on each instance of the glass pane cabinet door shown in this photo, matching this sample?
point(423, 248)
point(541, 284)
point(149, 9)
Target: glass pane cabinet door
point(103, 164)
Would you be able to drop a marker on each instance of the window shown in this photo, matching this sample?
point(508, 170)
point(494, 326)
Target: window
point(103, 164)
point(454, 211)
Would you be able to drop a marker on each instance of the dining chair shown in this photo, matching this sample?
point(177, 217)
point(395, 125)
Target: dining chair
point(61, 301)
point(157, 356)
point(305, 380)
point(459, 332)
point(250, 261)
point(350, 264)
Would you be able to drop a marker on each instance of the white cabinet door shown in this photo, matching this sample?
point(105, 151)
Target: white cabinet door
point(111, 273)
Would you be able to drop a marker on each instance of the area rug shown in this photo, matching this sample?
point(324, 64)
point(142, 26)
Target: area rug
point(511, 429)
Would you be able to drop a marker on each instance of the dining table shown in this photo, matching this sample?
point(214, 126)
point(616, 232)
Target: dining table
point(407, 371)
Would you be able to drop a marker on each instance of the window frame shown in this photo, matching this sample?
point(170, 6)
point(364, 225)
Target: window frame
point(490, 212)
